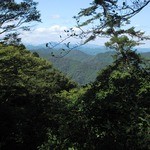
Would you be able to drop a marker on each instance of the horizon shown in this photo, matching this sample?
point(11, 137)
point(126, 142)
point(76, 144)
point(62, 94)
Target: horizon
point(91, 44)
point(93, 49)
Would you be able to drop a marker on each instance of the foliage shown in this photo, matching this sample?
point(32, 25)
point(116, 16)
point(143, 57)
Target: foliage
point(39, 109)
point(29, 106)
point(113, 112)
point(17, 16)
point(110, 113)
point(71, 131)
point(117, 115)
point(107, 19)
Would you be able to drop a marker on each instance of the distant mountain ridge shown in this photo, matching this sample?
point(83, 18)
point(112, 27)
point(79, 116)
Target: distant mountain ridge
point(78, 65)
point(90, 49)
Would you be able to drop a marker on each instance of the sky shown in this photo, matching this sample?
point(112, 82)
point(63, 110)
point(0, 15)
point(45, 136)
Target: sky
point(57, 15)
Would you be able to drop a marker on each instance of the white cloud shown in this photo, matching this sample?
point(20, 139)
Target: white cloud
point(52, 33)
point(44, 35)
point(53, 29)
point(57, 28)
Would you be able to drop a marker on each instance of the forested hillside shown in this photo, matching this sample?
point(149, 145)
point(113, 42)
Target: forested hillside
point(28, 85)
point(42, 109)
point(79, 66)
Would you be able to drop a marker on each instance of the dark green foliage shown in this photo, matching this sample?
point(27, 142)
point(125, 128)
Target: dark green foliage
point(117, 115)
point(28, 103)
point(38, 109)
point(112, 113)
point(42, 109)
point(71, 132)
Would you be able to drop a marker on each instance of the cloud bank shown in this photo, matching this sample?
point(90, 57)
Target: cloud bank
point(43, 35)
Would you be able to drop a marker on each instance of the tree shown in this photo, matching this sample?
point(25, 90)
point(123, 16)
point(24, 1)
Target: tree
point(115, 107)
point(107, 19)
point(29, 106)
point(3, 1)
point(17, 16)
point(113, 112)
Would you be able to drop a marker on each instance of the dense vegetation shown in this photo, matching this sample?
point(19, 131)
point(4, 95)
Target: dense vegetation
point(38, 106)
point(79, 66)
point(29, 106)
point(41, 109)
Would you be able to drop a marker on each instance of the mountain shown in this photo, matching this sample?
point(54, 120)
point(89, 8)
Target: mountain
point(90, 49)
point(143, 50)
point(78, 56)
point(78, 65)
point(146, 55)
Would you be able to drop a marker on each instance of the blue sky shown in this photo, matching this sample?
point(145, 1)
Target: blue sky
point(57, 15)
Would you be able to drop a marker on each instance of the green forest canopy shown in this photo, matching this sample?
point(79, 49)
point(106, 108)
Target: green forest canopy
point(42, 109)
